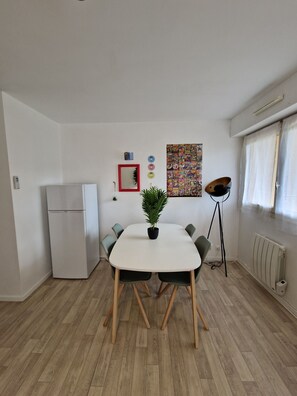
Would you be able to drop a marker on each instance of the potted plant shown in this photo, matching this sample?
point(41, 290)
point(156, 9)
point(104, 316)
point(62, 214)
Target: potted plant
point(154, 200)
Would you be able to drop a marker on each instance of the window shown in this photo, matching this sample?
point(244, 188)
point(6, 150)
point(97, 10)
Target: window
point(260, 150)
point(270, 168)
point(286, 202)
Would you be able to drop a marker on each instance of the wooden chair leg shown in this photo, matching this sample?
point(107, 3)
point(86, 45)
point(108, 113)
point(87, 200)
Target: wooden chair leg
point(145, 288)
point(115, 306)
point(160, 288)
point(205, 325)
point(194, 308)
point(160, 293)
point(109, 313)
point(168, 310)
point(141, 306)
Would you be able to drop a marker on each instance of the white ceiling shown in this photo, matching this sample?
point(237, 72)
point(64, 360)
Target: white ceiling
point(144, 60)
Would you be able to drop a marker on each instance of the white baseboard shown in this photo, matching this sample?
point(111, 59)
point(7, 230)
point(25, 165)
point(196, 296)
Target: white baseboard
point(22, 297)
point(281, 300)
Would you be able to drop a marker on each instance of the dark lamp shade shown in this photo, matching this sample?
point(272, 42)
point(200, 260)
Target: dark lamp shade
point(219, 187)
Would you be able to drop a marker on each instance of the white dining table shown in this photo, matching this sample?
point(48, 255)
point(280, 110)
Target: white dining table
point(173, 251)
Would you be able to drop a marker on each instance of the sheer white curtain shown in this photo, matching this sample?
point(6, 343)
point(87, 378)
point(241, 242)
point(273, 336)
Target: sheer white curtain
point(259, 166)
point(286, 203)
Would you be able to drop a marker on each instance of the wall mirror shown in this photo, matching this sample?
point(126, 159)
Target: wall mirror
point(129, 177)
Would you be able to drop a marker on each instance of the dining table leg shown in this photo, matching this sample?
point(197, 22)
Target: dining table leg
point(115, 305)
point(193, 294)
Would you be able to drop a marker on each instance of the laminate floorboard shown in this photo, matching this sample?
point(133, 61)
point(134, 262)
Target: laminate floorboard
point(54, 343)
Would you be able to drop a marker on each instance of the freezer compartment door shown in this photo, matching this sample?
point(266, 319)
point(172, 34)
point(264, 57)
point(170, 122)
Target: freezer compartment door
point(68, 244)
point(65, 197)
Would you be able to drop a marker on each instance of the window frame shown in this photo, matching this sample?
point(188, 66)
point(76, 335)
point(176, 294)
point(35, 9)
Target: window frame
point(274, 184)
point(275, 210)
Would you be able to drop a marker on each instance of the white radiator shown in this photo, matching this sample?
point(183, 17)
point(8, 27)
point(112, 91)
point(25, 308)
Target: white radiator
point(268, 261)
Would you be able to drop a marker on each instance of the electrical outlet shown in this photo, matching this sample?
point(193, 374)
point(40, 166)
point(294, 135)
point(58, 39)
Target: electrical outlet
point(16, 182)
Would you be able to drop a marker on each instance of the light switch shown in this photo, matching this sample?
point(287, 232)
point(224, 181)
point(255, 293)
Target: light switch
point(16, 182)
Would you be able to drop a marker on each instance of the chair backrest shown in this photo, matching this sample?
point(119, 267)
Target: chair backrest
point(108, 243)
point(117, 229)
point(190, 229)
point(203, 246)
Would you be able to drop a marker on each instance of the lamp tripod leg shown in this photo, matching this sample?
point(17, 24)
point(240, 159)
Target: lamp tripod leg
point(213, 215)
point(223, 251)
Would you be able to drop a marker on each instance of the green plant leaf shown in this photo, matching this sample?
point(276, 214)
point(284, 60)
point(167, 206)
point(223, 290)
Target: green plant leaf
point(153, 202)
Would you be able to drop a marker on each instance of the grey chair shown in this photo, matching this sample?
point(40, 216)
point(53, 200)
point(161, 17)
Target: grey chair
point(184, 279)
point(126, 277)
point(190, 229)
point(118, 229)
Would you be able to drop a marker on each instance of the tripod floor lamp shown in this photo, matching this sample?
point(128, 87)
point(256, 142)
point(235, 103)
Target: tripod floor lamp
point(219, 192)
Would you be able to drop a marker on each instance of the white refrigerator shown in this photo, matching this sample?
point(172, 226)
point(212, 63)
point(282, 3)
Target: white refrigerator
point(73, 229)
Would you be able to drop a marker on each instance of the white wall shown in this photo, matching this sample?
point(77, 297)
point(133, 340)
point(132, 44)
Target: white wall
point(250, 222)
point(33, 143)
point(91, 152)
point(9, 269)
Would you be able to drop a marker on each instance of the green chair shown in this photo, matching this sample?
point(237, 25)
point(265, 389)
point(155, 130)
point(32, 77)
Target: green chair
point(108, 243)
point(126, 277)
point(184, 279)
point(190, 229)
point(118, 229)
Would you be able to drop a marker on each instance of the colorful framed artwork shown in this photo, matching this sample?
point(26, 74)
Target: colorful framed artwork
point(184, 170)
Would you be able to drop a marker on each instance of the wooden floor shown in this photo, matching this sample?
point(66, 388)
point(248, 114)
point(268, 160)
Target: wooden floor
point(54, 343)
